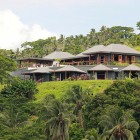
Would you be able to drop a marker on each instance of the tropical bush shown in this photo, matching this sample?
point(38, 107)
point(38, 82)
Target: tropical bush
point(18, 87)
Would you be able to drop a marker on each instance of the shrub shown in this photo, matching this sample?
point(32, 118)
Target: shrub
point(25, 88)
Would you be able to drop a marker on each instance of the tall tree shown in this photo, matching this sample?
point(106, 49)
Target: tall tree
point(118, 124)
point(58, 120)
point(138, 25)
point(76, 99)
point(6, 65)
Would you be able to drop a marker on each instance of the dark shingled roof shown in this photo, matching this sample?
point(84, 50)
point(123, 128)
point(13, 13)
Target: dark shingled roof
point(42, 70)
point(33, 58)
point(38, 70)
point(116, 68)
point(84, 68)
point(69, 68)
point(131, 67)
point(94, 49)
point(100, 67)
point(59, 55)
point(80, 55)
point(119, 48)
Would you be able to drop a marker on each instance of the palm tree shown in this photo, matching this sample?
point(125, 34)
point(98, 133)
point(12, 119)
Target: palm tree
point(118, 124)
point(76, 99)
point(10, 121)
point(58, 120)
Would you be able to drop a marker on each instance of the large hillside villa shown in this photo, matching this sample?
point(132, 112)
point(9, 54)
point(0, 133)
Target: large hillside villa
point(99, 62)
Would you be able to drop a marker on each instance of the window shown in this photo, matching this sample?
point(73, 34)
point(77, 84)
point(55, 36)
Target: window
point(120, 57)
point(133, 58)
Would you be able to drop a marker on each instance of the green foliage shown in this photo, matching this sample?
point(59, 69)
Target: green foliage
point(122, 94)
point(58, 119)
point(115, 108)
point(92, 134)
point(118, 124)
point(76, 132)
point(6, 65)
point(23, 88)
point(78, 43)
point(138, 25)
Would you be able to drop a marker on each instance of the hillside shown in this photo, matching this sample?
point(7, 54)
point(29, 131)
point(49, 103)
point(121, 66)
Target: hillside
point(59, 88)
point(117, 99)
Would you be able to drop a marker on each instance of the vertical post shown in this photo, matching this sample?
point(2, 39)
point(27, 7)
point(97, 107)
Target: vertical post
point(60, 76)
point(112, 57)
point(54, 76)
point(96, 75)
point(98, 59)
point(126, 59)
point(133, 59)
point(106, 74)
point(34, 77)
point(130, 74)
point(89, 58)
point(105, 59)
point(65, 75)
point(120, 58)
point(93, 76)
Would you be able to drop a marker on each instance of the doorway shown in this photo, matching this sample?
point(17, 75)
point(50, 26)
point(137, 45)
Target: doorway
point(102, 59)
point(101, 75)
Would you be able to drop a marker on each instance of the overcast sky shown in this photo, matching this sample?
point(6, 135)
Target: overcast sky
point(29, 20)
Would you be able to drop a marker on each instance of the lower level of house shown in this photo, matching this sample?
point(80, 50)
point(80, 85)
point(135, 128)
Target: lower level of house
point(82, 72)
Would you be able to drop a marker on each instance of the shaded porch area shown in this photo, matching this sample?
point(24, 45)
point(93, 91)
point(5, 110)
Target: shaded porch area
point(69, 72)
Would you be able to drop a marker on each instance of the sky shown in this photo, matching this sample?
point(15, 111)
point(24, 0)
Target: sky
point(30, 20)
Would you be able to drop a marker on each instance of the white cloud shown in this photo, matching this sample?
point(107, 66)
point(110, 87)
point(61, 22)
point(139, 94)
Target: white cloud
point(13, 32)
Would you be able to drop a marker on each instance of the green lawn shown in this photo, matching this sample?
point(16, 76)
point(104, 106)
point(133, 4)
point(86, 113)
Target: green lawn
point(59, 88)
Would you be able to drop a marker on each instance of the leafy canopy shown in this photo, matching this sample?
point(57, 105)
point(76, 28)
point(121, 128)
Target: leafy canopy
point(6, 65)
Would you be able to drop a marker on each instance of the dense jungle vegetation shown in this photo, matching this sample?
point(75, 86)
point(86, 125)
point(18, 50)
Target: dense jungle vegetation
point(78, 114)
point(78, 43)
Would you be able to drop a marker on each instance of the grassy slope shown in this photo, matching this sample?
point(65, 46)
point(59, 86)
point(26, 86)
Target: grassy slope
point(59, 88)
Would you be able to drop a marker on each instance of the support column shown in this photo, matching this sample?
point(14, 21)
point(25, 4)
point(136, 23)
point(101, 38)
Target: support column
point(65, 75)
point(98, 59)
point(133, 59)
point(60, 76)
point(93, 76)
point(34, 77)
point(96, 75)
point(126, 59)
point(89, 59)
point(112, 57)
point(105, 59)
point(120, 58)
point(107, 75)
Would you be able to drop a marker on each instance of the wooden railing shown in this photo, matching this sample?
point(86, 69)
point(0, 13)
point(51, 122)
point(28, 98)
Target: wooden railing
point(106, 62)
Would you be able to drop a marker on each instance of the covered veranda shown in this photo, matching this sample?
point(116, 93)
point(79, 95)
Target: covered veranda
point(68, 72)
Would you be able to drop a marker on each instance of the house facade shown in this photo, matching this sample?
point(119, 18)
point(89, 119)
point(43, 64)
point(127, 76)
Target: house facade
point(98, 62)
